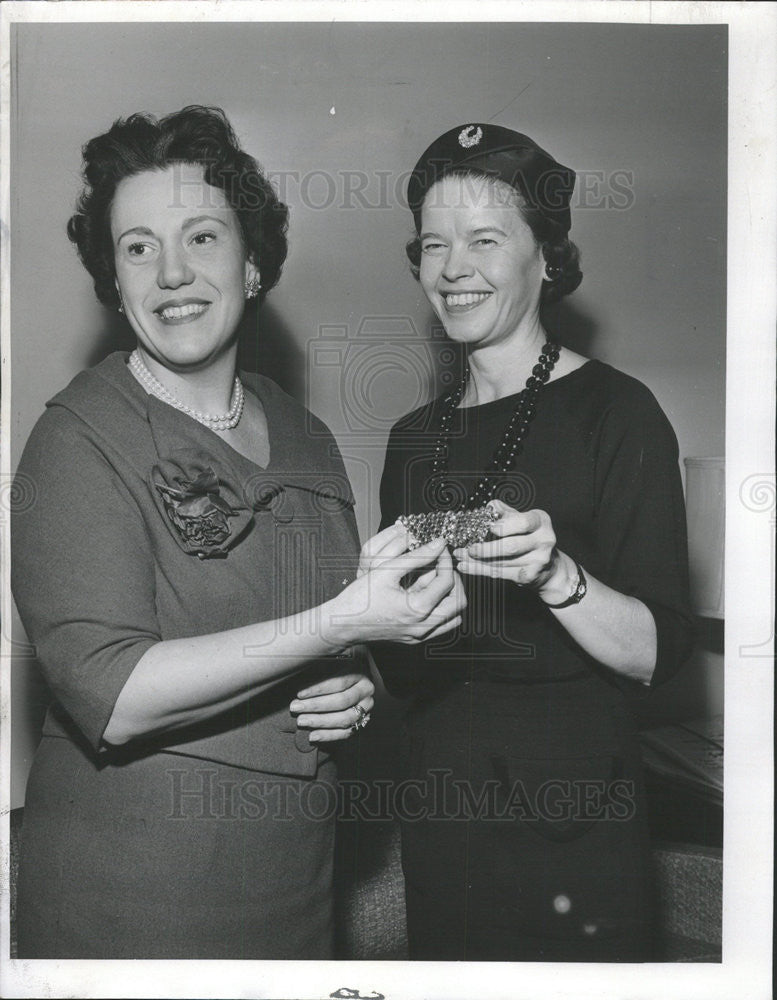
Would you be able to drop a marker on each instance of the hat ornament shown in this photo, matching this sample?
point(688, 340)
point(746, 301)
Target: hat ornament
point(470, 136)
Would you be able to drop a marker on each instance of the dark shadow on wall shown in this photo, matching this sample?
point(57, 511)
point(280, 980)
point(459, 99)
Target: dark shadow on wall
point(571, 327)
point(30, 711)
point(267, 346)
point(688, 695)
point(112, 334)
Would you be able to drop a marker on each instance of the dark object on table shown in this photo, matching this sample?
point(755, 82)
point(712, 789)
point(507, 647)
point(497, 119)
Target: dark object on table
point(688, 753)
point(684, 781)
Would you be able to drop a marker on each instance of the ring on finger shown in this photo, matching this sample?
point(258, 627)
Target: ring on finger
point(363, 717)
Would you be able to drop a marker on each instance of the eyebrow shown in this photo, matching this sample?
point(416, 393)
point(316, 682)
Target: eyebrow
point(187, 223)
point(488, 229)
point(471, 232)
point(137, 231)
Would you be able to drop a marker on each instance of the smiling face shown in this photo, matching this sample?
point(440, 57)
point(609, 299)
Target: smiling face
point(481, 268)
point(180, 265)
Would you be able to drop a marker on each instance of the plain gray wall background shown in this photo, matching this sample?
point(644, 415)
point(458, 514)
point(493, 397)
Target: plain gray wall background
point(329, 108)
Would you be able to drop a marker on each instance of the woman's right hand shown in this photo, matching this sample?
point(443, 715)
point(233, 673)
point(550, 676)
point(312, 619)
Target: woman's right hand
point(377, 607)
point(387, 544)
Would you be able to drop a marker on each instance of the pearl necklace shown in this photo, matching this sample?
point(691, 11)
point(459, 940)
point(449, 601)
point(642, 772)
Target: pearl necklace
point(216, 422)
point(512, 440)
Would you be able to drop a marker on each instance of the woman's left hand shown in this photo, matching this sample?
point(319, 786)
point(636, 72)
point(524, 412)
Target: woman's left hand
point(523, 551)
point(329, 709)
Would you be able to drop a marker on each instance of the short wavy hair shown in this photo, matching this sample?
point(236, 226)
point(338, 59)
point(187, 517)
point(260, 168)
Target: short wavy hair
point(561, 255)
point(194, 135)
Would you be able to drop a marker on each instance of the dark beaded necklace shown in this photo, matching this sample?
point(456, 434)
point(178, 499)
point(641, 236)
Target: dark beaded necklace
point(512, 440)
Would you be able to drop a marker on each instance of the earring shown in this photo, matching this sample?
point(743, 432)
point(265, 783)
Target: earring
point(121, 304)
point(252, 287)
point(552, 273)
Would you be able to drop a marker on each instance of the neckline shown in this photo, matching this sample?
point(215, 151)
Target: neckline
point(250, 384)
point(511, 397)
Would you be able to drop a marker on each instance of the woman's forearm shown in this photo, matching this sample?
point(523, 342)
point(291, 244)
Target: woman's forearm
point(178, 682)
point(617, 630)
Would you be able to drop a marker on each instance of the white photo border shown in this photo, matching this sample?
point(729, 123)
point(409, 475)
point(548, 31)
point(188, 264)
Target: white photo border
point(745, 971)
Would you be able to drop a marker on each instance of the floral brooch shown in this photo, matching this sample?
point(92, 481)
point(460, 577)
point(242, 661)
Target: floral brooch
point(199, 514)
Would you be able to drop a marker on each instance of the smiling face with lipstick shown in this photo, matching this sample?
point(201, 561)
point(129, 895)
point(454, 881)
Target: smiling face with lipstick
point(181, 266)
point(481, 267)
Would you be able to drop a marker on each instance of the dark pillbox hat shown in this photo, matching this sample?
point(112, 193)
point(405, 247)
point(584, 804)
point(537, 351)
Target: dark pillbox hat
point(508, 156)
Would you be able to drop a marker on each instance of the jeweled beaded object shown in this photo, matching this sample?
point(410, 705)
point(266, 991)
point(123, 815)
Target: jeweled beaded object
point(459, 528)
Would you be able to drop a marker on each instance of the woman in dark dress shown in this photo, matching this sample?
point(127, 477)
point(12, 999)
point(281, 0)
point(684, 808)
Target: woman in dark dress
point(527, 840)
point(187, 574)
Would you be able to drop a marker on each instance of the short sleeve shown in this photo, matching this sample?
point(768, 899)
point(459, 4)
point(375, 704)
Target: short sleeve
point(640, 521)
point(82, 571)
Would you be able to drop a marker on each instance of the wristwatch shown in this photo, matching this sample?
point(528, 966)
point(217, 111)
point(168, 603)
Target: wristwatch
point(579, 592)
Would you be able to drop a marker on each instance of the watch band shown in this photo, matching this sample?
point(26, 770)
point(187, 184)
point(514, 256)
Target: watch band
point(577, 595)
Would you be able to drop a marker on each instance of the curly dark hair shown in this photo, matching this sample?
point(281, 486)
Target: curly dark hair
point(561, 255)
point(196, 135)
